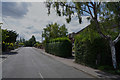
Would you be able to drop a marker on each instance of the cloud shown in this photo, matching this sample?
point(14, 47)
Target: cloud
point(36, 18)
point(30, 27)
point(15, 9)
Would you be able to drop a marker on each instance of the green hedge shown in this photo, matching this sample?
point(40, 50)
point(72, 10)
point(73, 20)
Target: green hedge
point(93, 54)
point(117, 46)
point(60, 47)
point(92, 50)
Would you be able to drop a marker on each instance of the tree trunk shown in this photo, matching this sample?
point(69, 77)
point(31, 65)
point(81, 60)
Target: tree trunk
point(111, 43)
point(113, 53)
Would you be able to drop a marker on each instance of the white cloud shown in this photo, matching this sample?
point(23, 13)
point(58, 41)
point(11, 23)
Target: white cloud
point(37, 18)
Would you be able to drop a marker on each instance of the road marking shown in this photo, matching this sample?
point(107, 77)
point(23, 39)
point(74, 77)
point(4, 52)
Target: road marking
point(38, 72)
point(41, 75)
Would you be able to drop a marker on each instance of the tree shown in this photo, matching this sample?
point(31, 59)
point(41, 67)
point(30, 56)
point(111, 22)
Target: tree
point(116, 9)
point(63, 30)
point(22, 40)
point(94, 10)
point(9, 36)
point(8, 39)
point(54, 31)
point(31, 41)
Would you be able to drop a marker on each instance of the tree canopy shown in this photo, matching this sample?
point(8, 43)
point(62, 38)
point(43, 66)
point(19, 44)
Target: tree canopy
point(9, 36)
point(54, 31)
point(95, 10)
point(31, 41)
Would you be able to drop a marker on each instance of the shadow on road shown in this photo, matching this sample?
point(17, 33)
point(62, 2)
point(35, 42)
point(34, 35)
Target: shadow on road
point(9, 53)
point(72, 57)
point(103, 74)
point(6, 54)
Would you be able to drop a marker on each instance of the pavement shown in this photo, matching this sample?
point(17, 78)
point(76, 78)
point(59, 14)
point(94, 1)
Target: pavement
point(28, 62)
point(5, 55)
point(93, 72)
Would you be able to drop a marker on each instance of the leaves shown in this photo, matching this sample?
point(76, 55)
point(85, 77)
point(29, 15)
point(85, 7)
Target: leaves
point(9, 36)
point(31, 41)
point(54, 31)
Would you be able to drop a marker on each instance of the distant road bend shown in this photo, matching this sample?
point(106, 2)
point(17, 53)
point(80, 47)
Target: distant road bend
point(29, 63)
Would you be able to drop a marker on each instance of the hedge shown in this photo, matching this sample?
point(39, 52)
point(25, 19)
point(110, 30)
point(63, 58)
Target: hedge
point(60, 47)
point(93, 54)
point(92, 50)
point(117, 46)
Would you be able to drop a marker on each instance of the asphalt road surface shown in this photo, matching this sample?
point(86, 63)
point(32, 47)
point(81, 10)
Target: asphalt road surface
point(29, 63)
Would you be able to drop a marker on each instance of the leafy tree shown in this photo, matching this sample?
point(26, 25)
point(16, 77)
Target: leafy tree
point(115, 8)
point(9, 36)
point(8, 39)
point(94, 10)
point(54, 31)
point(62, 31)
point(31, 41)
point(4, 35)
point(22, 40)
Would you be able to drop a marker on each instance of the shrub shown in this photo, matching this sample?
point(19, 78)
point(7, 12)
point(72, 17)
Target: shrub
point(118, 53)
point(92, 50)
point(21, 44)
point(7, 46)
point(105, 68)
point(60, 47)
point(38, 45)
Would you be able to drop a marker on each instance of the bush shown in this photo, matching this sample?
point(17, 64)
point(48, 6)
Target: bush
point(60, 47)
point(21, 44)
point(105, 68)
point(118, 53)
point(38, 45)
point(7, 46)
point(92, 50)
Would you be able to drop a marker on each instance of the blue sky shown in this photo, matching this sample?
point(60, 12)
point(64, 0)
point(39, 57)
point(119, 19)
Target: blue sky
point(29, 18)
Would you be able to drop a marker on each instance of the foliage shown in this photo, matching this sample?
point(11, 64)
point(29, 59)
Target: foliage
point(7, 46)
point(31, 41)
point(60, 47)
point(21, 44)
point(92, 50)
point(116, 10)
point(118, 53)
point(9, 36)
point(22, 40)
point(60, 39)
point(95, 10)
point(8, 39)
point(38, 45)
point(54, 31)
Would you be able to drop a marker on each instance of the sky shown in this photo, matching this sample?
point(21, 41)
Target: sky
point(29, 18)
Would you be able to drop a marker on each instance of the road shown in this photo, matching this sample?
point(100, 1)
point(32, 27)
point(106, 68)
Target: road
point(29, 63)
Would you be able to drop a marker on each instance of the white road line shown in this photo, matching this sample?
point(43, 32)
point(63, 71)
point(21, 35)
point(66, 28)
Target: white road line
point(38, 72)
point(41, 75)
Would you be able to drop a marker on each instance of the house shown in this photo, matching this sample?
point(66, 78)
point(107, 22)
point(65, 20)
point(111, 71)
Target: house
point(73, 34)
